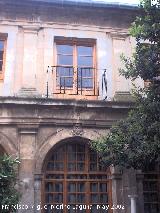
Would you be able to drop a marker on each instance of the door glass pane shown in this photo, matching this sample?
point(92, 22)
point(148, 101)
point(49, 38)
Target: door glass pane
point(86, 83)
point(85, 72)
point(85, 61)
point(0, 65)
point(65, 60)
point(65, 49)
point(1, 45)
point(64, 76)
point(85, 78)
point(1, 55)
point(82, 50)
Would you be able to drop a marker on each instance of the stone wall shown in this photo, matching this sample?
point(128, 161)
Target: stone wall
point(30, 128)
point(31, 27)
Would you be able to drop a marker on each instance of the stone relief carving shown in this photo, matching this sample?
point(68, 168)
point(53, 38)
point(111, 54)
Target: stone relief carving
point(77, 130)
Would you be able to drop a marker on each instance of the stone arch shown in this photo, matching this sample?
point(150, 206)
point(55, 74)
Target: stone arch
point(7, 145)
point(61, 135)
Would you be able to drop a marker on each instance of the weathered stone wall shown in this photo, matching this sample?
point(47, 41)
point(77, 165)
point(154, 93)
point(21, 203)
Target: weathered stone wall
point(31, 28)
point(30, 128)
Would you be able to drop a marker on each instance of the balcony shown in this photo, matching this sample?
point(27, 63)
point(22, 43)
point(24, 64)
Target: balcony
point(77, 83)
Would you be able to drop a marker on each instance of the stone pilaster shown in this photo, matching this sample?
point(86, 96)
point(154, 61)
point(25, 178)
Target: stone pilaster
point(27, 149)
point(37, 191)
point(117, 196)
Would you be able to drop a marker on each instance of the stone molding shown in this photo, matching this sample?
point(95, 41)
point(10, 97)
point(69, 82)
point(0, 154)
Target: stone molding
point(28, 129)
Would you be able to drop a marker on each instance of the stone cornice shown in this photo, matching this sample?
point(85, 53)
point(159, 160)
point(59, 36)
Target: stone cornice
point(59, 25)
point(66, 102)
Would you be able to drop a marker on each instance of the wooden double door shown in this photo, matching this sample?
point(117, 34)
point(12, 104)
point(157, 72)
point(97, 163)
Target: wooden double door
point(75, 181)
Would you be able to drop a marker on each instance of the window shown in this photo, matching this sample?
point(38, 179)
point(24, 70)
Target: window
point(75, 177)
point(2, 54)
point(151, 189)
point(76, 67)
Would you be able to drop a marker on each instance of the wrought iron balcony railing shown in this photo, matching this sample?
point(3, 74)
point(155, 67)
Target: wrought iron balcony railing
point(76, 81)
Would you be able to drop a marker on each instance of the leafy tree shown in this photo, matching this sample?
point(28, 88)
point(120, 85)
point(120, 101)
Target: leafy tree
point(135, 141)
point(8, 194)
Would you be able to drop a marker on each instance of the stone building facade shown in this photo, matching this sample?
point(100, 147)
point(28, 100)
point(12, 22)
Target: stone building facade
point(60, 88)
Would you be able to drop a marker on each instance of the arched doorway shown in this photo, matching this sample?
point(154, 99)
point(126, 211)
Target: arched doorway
point(151, 188)
point(74, 180)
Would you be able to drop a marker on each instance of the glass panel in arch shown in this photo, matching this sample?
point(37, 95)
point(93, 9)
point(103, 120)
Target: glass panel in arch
point(71, 148)
point(103, 198)
point(94, 209)
point(94, 198)
point(49, 198)
point(81, 210)
point(72, 156)
point(50, 166)
point(80, 148)
point(49, 187)
point(54, 176)
point(80, 198)
point(94, 187)
point(58, 166)
point(103, 187)
point(72, 209)
point(93, 167)
point(80, 166)
point(71, 167)
point(71, 187)
point(58, 198)
point(80, 187)
point(57, 156)
point(50, 210)
point(58, 187)
point(71, 198)
point(81, 157)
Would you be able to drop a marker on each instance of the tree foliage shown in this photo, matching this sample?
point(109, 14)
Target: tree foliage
point(8, 194)
point(135, 141)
